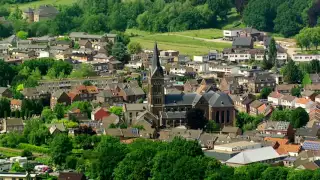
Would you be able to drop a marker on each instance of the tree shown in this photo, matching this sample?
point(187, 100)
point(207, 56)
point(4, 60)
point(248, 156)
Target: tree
point(300, 175)
point(119, 51)
point(22, 35)
point(47, 115)
point(265, 92)
point(185, 147)
point(240, 5)
point(306, 79)
point(71, 162)
point(315, 38)
point(134, 48)
point(85, 70)
point(299, 117)
point(272, 53)
point(195, 118)
point(220, 7)
point(314, 66)
point(7, 74)
point(59, 110)
point(292, 73)
point(296, 91)
point(108, 154)
point(87, 83)
point(60, 149)
point(281, 115)
point(275, 173)
point(266, 64)
point(211, 127)
point(117, 110)
point(52, 74)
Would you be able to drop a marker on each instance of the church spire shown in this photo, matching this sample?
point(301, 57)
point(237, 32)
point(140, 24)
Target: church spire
point(156, 61)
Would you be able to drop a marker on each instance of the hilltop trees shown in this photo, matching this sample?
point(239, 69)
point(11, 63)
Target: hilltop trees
point(308, 37)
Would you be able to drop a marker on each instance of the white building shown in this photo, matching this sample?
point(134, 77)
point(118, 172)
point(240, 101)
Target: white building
point(178, 70)
point(275, 98)
point(198, 67)
point(305, 57)
point(134, 64)
point(237, 146)
point(224, 69)
point(231, 34)
point(203, 58)
point(238, 57)
point(280, 56)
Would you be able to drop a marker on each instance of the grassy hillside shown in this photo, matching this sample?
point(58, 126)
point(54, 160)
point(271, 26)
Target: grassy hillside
point(174, 41)
point(42, 2)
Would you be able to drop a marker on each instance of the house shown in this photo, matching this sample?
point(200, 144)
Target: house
point(230, 85)
point(231, 34)
point(231, 130)
point(132, 94)
point(255, 156)
point(243, 42)
point(203, 58)
point(45, 12)
point(251, 32)
point(288, 101)
point(312, 87)
point(59, 97)
point(190, 85)
point(15, 104)
point(71, 176)
point(87, 93)
point(11, 124)
point(77, 36)
point(254, 107)
point(309, 166)
point(107, 96)
point(85, 44)
point(283, 147)
point(307, 133)
point(99, 113)
point(315, 78)
point(148, 122)
point(242, 102)
point(76, 114)
point(308, 94)
point(279, 129)
point(260, 81)
point(131, 111)
point(275, 98)
point(57, 128)
point(304, 103)
point(5, 92)
point(285, 88)
point(108, 120)
point(115, 65)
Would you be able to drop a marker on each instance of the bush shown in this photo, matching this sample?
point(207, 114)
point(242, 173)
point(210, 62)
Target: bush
point(33, 148)
point(26, 153)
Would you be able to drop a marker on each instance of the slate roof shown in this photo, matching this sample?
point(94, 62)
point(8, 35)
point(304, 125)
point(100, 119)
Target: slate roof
point(46, 10)
point(266, 41)
point(288, 98)
point(277, 125)
point(173, 115)
point(105, 93)
point(230, 129)
point(256, 104)
point(57, 93)
point(135, 107)
point(310, 132)
point(242, 41)
point(3, 89)
point(215, 99)
point(263, 78)
point(14, 122)
point(254, 155)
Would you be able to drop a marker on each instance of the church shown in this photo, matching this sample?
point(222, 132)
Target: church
point(170, 109)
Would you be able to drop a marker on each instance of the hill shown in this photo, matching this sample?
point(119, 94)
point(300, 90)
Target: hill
point(35, 4)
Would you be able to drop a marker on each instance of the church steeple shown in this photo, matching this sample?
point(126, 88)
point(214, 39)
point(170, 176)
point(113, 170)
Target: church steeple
point(156, 61)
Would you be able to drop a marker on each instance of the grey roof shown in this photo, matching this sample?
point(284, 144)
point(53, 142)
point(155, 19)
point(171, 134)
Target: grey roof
point(221, 156)
point(128, 91)
point(215, 99)
point(138, 91)
point(90, 36)
point(30, 91)
point(14, 122)
point(307, 93)
point(115, 62)
point(256, 104)
point(254, 155)
point(135, 107)
point(155, 65)
point(288, 98)
point(277, 125)
point(101, 56)
point(58, 93)
point(59, 126)
point(47, 10)
point(3, 89)
point(266, 41)
point(263, 77)
point(304, 131)
point(230, 129)
point(61, 48)
point(173, 115)
point(32, 46)
point(242, 41)
point(105, 93)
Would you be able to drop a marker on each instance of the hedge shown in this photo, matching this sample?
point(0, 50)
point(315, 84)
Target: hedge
point(33, 148)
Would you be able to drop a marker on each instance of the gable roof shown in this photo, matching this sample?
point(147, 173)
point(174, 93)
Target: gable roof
point(256, 104)
point(254, 155)
point(275, 94)
point(230, 129)
point(14, 122)
point(242, 41)
point(71, 176)
point(3, 89)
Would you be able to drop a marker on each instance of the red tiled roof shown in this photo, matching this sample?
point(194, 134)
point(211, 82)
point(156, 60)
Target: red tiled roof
point(16, 102)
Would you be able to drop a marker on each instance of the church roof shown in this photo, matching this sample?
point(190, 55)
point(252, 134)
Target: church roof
point(156, 61)
point(214, 99)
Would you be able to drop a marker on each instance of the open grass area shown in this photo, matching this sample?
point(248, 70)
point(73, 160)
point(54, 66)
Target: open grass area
point(233, 21)
point(184, 45)
point(43, 2)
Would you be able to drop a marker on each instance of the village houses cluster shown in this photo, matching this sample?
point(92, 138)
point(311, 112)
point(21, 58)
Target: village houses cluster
point(218, 83)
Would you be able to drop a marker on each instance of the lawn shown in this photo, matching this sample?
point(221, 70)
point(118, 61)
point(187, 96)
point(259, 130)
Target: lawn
point(203, 33)
point(184, 45)
point(43, 2)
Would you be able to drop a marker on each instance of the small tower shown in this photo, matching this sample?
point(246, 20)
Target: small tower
point(156, 84)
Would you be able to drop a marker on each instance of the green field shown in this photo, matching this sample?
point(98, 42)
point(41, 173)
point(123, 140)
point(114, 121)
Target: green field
point(185, 45)
point(43, 2)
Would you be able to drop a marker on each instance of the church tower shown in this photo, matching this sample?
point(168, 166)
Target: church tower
point(156, 84)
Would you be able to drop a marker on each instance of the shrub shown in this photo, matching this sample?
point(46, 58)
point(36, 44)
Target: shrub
point(33, 148)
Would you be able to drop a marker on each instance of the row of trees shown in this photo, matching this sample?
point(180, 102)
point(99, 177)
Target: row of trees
point(297, 117)
point(308, 37)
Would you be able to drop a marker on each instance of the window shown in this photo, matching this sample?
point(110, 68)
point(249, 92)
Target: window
point(228, 116)
point(222, 116)
point(217, 117)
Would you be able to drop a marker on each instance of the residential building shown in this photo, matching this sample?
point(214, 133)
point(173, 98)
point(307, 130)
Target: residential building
point(288, 101)
point(60, 97)
point(231, 34)
point(203, 58)
point(18, 176)
point(275, 98)
point(254, 107)
point(15, 104)
point(242, 102)
point(131, 111)
point(243, 42)
point(87, 93)
point(285, 88)
point(304, 103)
point(11, 125)
point(99, 113)
point(260, 81)
point(311, 145)
point(71, 176)
point(77, 36)
point(304, 57)
point(276, 129)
